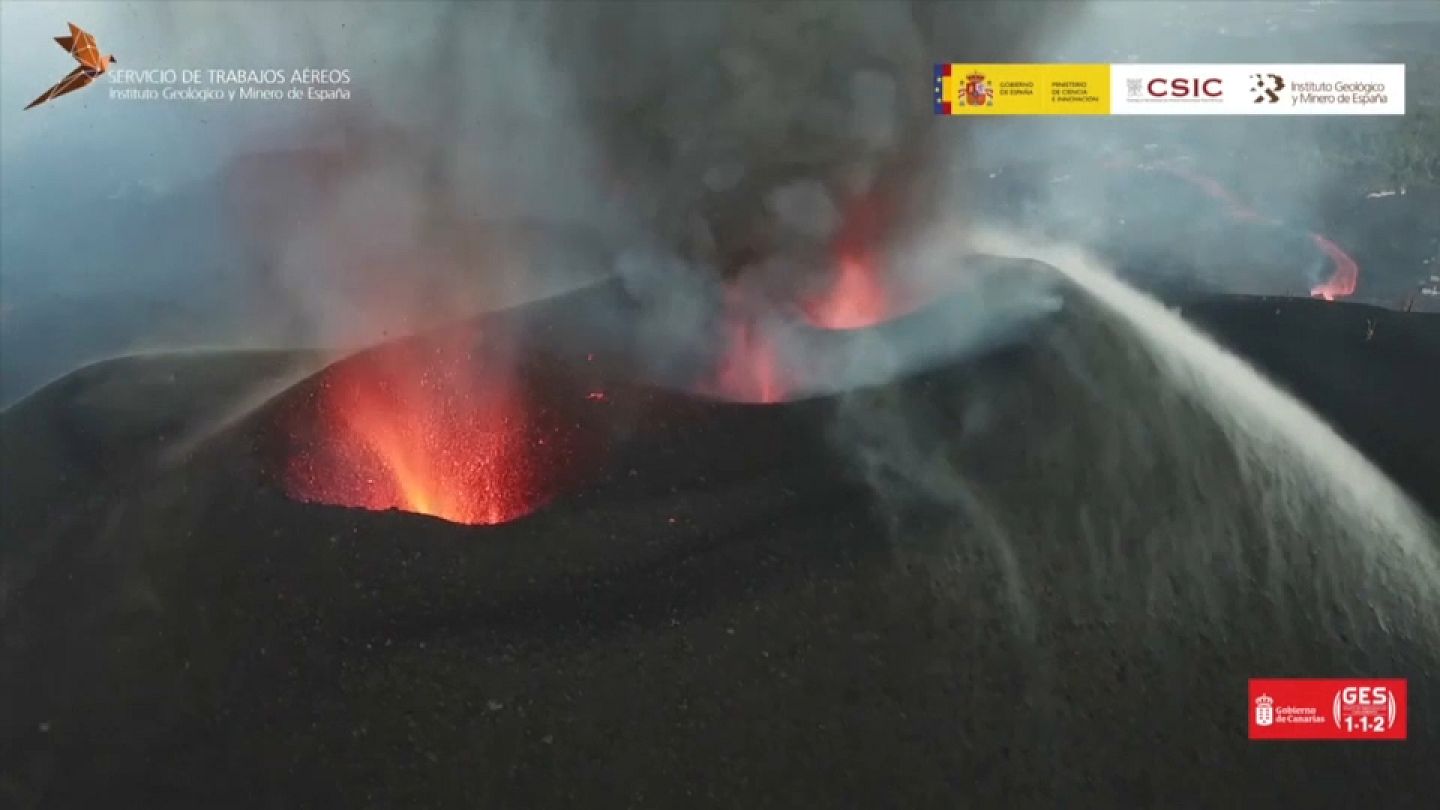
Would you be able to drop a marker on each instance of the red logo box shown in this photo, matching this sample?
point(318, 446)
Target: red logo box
point(1327, 708)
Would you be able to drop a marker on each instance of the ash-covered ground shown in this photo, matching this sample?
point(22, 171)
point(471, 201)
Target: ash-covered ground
point(729, 612)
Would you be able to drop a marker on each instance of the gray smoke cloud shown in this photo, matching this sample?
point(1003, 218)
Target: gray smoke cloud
point(456, 179)
point(492, 153)
point(748, 136)
point(497, 152)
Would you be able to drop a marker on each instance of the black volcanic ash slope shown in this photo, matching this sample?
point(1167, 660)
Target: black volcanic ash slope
point(757, 631)
point(1368, 371)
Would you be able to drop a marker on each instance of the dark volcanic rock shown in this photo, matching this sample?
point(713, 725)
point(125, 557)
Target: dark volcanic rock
point(724, 614)
point(1368, 371)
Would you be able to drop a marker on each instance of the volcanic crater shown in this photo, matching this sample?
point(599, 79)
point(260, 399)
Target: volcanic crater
point(689, 588)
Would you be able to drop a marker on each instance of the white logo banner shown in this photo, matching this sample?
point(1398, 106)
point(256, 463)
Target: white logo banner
point(1246, 89)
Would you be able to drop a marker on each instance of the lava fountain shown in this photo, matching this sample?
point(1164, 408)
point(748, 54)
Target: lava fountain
point(857, 297)
point(749, 369)
point(859, 294)
point(749, 366)
point(753, 363)
point(428, 425)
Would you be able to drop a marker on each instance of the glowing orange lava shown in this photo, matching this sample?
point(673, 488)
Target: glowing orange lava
point(861, 293)
point(749, 369)
point(425, 427)
point(1346, 276)
point(855, 300)
point(749, 366)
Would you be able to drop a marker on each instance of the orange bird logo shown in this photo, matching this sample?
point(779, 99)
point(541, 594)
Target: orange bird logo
point(80, 45)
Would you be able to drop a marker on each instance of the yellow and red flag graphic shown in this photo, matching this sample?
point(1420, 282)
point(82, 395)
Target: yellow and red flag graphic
point(966, 89)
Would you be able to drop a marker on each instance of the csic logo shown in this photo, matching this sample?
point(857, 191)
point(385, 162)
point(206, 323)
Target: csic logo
point(1184, 89)
point(1267, 87)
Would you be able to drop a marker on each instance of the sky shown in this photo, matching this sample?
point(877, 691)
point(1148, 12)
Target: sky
point(164, 143)
point(115, 234)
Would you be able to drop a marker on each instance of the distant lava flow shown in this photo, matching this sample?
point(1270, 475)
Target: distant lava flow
point(427, 426)
point(1346, 274)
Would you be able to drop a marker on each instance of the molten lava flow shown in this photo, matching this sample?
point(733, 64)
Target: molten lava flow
point(1347, 273)
point(424, 428)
